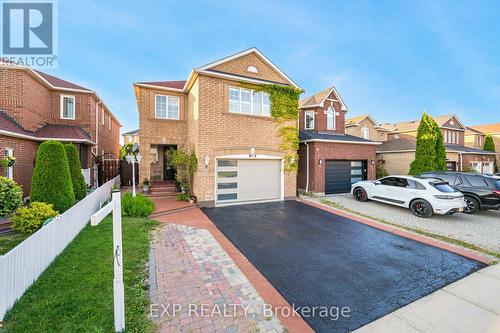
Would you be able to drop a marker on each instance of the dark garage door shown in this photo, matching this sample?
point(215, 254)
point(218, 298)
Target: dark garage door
point(339, 175)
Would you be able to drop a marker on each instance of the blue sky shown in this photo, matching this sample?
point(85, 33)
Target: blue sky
point(392, 59)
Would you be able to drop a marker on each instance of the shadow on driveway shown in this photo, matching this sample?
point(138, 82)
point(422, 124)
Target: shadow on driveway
point(318, 259)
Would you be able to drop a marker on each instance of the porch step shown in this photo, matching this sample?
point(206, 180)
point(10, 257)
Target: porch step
point(161, 195)
point(162, 190)
point(6, 228)
point(171, 211)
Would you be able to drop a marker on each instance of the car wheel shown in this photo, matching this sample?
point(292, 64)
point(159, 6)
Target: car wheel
point(360, 194)
point(472, 205)
point(421, 208)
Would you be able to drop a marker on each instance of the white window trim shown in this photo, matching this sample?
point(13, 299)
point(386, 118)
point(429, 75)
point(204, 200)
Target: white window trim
point(62, 106)
point(102, 116)
point(367, 131)
point(178, 107)
point(251, 103)
point(309, 113)
point(334, 120)
point(109, 123)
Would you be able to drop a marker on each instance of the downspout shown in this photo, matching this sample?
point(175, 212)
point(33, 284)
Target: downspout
point(307, 166)
point(461, 162)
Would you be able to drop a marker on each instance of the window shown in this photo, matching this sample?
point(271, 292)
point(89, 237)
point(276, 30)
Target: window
point(102, 116)
point(129, 138)
point(309, 120)
point(109, 123)
point(154, 155)
point(67, 107)
point(227, 196)
point(443, 187)
point(415, 185)
point(225, 186)
point(167, 107)
point(330, 118)
point(453, 137)
point(227, 174)
point(227, 163)
point(247, 101)
point(476, 181)
point(366, 132)
point(9, 152)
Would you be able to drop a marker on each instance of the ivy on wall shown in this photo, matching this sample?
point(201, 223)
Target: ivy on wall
point(284, 108)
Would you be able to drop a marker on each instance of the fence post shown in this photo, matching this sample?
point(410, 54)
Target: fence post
point(119, 293)
point(3, 296)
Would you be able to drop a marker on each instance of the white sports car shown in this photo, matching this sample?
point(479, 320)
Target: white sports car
point(423, 196)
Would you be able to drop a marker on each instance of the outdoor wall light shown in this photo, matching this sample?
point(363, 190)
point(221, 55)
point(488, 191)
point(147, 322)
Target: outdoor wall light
point(252, 152)
point(320, 162)
point(372, 162)
point(207, 161)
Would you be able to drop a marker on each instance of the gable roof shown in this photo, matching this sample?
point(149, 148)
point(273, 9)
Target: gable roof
point(407, 126)
point(487, 128)
point(354, 121)
point(207, 67)
point(136, 131)
point(60, 83)
point(472, 131)
point(177, 85)
point(318, 99)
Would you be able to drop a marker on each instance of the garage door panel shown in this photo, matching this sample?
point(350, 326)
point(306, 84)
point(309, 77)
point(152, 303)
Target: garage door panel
point(339, 175)
point(255, 180)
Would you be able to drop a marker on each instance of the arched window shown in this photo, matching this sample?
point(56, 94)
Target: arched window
point(330, 119)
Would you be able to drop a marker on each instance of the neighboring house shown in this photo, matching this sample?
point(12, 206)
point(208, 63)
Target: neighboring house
point(366, 127)
point(474, 138)
point(398, 151)
point(329, 159)
point(35, 107)
point(131, 137)
point(228, 125)
point(494, 131)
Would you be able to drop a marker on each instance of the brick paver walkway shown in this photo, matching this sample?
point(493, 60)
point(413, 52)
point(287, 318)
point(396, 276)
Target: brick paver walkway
point(482, 229)
point(196, 286)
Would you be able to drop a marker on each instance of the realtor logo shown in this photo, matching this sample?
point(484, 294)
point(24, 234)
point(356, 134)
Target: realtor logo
point(29, 32)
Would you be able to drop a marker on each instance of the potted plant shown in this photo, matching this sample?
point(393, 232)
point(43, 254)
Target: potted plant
point(146, 185)
point(8, 162)
point(192, 199)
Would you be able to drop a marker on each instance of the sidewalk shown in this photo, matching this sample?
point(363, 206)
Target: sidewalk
point(471, 304)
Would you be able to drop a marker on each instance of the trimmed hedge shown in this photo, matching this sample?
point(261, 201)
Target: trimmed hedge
point(75, 169)
point(51, 182)
point(140, 206)
point(11, 196)
point(27, 220)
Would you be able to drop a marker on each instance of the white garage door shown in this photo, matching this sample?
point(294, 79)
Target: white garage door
point(245, 180)
point(488, 168)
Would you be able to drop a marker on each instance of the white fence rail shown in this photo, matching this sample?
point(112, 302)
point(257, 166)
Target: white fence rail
point(22, 265)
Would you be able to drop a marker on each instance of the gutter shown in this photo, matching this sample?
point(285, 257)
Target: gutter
point(37, 138)
point(307, 167)
point(341, 141)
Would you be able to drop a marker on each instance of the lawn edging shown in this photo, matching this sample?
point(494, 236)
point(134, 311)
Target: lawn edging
point(461, 248)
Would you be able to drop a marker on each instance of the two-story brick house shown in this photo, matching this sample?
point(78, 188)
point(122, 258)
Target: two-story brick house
point(329, 159)
point(227, 124)
point(365, 126)
point(398, 151)
point(35, 107)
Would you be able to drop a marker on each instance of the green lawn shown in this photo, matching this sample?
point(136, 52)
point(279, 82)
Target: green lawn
point(8, 242)
point(75, 294)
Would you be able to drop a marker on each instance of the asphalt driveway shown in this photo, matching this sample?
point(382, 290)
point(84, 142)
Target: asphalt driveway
point(318, 259)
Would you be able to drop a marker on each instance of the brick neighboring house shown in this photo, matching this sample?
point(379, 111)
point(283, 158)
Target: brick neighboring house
point(35, 107)
point(329, 159)
point(365, 126)
point(494, 131)
point(131, 137)
point(228, 125)
point(398, 151)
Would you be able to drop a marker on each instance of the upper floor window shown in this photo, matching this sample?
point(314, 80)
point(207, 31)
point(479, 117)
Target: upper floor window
point(248, 101)
point(109, 123)
point(330, 119)
point(167, 107)
point(67, 107)
point(366, 132)
point(309, 120)
point(479, 142)
point(102, 116)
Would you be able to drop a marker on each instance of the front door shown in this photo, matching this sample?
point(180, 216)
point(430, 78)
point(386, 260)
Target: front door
point(168, 170)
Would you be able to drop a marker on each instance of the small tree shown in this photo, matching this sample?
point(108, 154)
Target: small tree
point(77, 179)
point(440, 156)
point(427, 141)
point(185, 162)
point(51, 182)
point(380, 170)
point(489, 145)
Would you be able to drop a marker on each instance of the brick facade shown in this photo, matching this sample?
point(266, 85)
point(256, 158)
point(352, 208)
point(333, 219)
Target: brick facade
point(320, 117)
point(331, 151)
point(206, 125)
point(33, 104)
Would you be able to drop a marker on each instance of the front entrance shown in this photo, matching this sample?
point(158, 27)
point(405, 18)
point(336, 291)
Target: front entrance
point(340, 175)
point(168, 170)
point(451, 166)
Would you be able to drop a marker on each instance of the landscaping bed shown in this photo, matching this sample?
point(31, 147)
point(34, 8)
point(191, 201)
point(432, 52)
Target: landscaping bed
point(75, 294)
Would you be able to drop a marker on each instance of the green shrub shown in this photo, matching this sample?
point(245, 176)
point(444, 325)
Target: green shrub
point(29, 219)
point(380, 170)
point(182, 196)
point(75, 169)
point(11, 196)
point(140, 206)
point(51, 182)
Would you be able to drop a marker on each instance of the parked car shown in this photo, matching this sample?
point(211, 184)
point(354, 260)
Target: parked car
point(480, 191)
point(423, 196)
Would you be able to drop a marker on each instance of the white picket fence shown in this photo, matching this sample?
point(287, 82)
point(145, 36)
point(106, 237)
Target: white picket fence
point(22, 265)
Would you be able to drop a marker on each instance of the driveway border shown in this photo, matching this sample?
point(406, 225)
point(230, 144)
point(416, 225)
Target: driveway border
point(406, 234)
